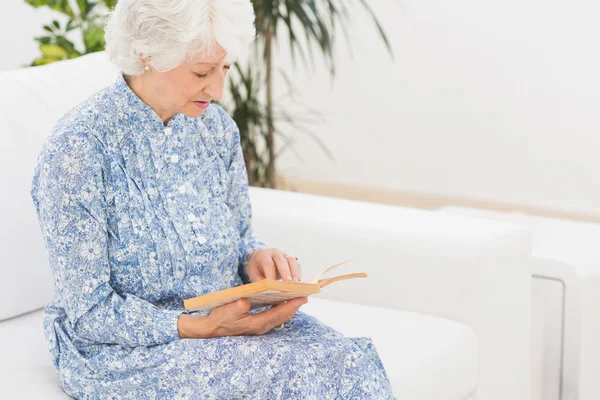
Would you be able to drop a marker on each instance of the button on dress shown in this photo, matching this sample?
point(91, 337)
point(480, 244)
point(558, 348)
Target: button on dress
point(138, 216)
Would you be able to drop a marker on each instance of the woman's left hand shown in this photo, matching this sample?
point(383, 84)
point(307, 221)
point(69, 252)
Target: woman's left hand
point(273, 264)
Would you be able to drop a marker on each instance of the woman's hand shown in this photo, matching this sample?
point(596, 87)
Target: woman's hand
point(233, 319)
point(273, 264)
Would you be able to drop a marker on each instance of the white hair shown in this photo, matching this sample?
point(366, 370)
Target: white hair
point(171, 32)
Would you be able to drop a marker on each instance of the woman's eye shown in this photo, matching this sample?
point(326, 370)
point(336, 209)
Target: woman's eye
point(227, 67)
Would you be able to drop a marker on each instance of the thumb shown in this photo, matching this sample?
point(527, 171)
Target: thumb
point(242, 305)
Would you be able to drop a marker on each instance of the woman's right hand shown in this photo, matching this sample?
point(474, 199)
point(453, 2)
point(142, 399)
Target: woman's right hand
point(233, 319)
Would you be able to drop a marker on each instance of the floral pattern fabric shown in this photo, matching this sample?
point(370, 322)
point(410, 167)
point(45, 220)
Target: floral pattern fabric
point(136, 217)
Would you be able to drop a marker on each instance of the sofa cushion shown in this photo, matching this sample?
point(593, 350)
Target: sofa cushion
point(31, 102)
point(26, 370)
point(425, 357)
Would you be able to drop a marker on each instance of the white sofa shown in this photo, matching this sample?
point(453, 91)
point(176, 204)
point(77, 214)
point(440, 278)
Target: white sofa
point(447, 301)
point(566, 298)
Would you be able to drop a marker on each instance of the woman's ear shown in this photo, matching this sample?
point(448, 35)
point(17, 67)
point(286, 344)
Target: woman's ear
point(146, 61)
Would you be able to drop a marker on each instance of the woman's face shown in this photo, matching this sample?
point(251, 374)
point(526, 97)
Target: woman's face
point(187, 89)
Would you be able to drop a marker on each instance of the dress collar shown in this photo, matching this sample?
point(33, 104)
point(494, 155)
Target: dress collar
point(133, 102)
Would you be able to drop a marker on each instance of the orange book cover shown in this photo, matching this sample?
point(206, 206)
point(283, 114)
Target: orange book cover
point(267, 291)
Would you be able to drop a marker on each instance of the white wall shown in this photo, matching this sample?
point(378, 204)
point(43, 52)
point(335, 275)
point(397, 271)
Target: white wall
point(493, 100)
point(20, 24)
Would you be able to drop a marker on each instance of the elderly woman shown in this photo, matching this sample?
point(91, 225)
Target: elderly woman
point(142, 196)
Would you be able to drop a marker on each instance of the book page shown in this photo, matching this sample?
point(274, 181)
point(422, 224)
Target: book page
point(269, 297)
point(257, 300)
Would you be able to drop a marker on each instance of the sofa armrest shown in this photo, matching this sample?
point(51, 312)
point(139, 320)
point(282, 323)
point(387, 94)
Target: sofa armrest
point(474, 271)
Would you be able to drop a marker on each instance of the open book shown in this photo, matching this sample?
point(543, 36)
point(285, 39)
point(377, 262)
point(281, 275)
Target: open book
point(267, 291)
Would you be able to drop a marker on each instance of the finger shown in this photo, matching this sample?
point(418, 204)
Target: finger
point(280, 313)
point(239, 307)
point(243, 305)
point(286, 311)
point(282, 266)
point(269, 269)
point(294, 268)
point(222, 316)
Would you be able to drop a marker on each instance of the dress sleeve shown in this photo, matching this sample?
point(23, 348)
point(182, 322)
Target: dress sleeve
point(238, 199)
point(68, 192)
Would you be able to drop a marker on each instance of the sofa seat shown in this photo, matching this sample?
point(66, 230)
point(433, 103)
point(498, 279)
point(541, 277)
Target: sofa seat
point(26, 370)
point(426, 357)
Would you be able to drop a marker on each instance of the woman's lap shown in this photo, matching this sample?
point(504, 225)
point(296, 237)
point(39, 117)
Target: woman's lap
point(306, 359)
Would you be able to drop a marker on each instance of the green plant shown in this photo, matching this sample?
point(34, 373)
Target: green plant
point(305, 23)
point(88, 17)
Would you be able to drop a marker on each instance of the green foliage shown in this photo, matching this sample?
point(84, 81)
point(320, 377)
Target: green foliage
point(250, 115)
point(310, 23)
point(93, 37)
point(88, 19)
point(57, 5)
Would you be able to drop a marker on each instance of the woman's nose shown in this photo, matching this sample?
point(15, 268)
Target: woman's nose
point(215, 87)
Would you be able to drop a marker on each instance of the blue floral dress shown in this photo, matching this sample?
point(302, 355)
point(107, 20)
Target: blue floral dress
point(137, 216)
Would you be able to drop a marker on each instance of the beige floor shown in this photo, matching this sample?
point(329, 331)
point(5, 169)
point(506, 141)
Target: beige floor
point(416, 200)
